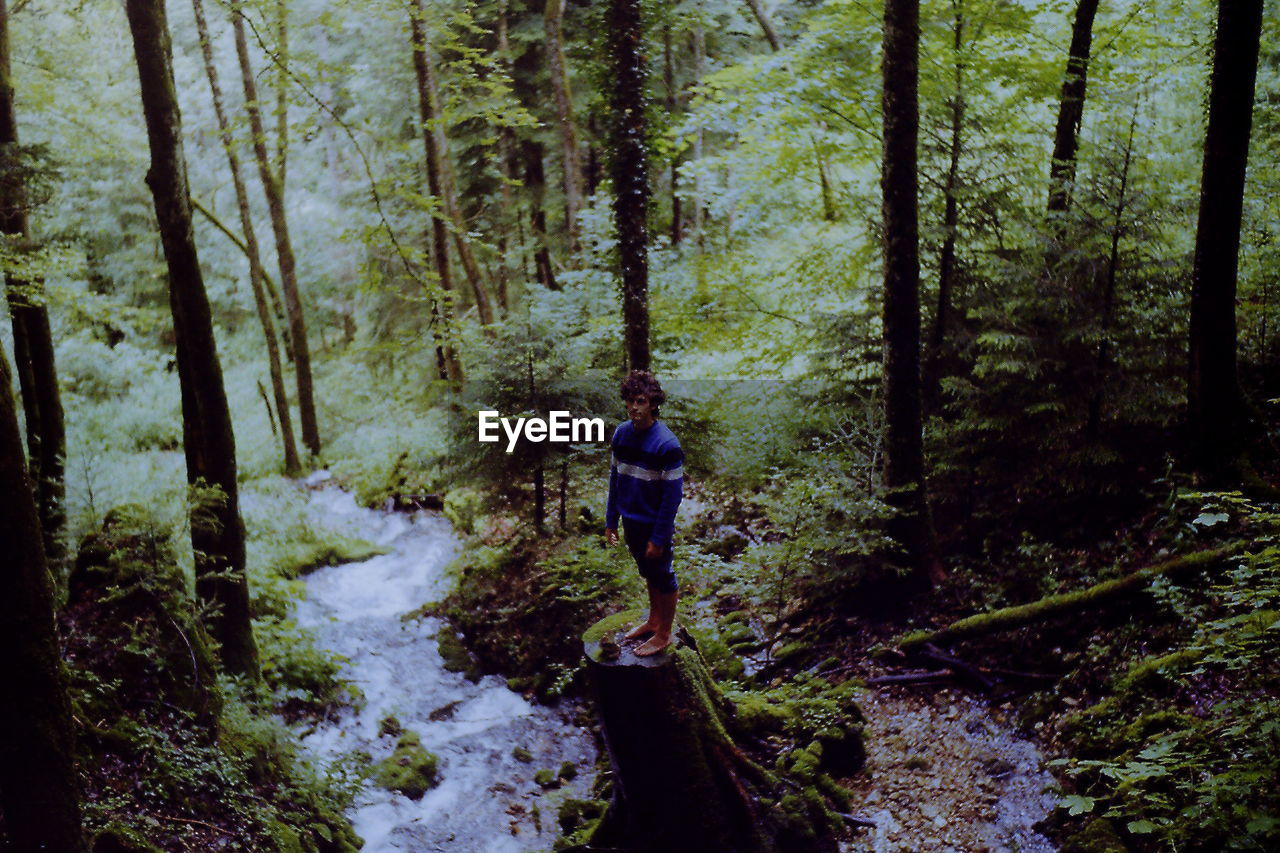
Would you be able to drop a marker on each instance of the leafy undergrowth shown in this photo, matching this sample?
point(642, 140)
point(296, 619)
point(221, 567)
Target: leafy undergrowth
point(1164, 704)
point(173, 756)
point(1182, 749)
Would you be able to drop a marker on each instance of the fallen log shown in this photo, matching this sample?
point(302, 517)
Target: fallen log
point(680, 783)
point(1067, 602)
point(913, 677)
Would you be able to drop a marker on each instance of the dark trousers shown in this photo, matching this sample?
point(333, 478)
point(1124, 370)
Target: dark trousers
point(656, 572)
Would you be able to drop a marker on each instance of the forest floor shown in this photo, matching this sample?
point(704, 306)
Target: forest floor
point(946, 772)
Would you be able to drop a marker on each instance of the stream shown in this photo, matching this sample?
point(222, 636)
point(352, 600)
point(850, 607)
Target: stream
point(946, 773)
point(486, 801)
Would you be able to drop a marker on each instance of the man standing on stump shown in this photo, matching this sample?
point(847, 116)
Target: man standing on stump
point(646, 483)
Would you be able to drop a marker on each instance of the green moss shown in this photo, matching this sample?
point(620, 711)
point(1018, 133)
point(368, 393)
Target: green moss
point(119, 838)
point(611, 624)
point(389, 725)
point(791, 651)
point(755, 715)
point(568, 771)
point(522, 755)
point(573, 814)
point(547, 778)
point(455, 654)
point(1098, 836)
point(303, 557)
point(411, 770)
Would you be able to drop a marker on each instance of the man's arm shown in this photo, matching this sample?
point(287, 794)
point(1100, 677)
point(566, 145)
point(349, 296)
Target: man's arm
point(672, 494)
point(611, 505)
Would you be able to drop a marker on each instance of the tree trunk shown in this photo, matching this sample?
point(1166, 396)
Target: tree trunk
point(39, 790)
point(1094, 423)
point(282, 91)
point(444, 169)
point(903, 442)
point(33, 342)
point(699, 71)
point(446, 354)
point(553, 17)
point(1214, 406)
point(669, 81)
point(757, 9)
point(217, 534)
point(1068, 602)
point(274, 193)
point(535, 182)
point(630, 173)
point(701, 792)
point(291, 465)
point(1066, 135)
point(950, 220)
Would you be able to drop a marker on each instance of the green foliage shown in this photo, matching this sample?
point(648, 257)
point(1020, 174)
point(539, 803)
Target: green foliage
point(1184, 748)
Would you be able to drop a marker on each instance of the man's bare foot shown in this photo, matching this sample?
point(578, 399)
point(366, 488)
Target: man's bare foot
point(644, 629)
point(655, 644)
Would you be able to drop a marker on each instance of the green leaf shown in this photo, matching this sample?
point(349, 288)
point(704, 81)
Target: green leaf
point(1076, 804)
point(1141, 827)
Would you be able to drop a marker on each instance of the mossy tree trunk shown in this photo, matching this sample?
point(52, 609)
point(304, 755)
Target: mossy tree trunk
point(217, 533)
point(680, 783)
point(1091, 597)
point(630, 162)
point(32, 338)
point(38, 787)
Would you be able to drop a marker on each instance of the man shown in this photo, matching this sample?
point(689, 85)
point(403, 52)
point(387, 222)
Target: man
point(646, 483)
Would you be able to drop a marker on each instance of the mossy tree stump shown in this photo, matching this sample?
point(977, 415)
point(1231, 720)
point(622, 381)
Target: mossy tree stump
point(680, 783)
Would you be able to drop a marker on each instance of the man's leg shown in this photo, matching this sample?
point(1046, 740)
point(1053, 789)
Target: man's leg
point(650, 625)
point(666, 607)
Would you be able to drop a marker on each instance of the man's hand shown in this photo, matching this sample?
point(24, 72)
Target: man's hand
point(611, 536)
point(652, 551)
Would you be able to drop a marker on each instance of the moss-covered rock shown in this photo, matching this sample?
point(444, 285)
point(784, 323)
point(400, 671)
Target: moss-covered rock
point(410, 770)
point(547, 779)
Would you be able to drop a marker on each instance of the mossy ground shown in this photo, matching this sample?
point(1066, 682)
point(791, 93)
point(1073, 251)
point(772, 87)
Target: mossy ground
point(172, 756)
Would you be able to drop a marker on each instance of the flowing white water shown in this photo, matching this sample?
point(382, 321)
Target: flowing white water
point(487, 800)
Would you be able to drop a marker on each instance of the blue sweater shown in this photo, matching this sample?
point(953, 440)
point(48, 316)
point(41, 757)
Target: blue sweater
point(646, 481)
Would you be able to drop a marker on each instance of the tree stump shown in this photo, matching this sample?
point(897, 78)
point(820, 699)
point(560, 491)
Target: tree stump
point(680, 783)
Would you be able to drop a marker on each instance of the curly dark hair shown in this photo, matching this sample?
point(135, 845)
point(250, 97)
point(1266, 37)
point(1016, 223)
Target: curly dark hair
point(643, 382)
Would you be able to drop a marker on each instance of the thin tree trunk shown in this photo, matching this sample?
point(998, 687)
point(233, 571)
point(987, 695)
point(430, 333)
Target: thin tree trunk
point(630, 173)
point(1215, 409)
point(446, 353)
point(553, 17)
point(1094, 423)
point(284, 248)
point(217, 534)
point(291, 464)
point(449, 196)
point(757, 9)
point(1066, 135)
point(535, 183)
point(39, 789)
point(33, 342)
point(904, 448)
point(950, 219)
point(669, 81)
point(282, 91)
point(699, 71)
